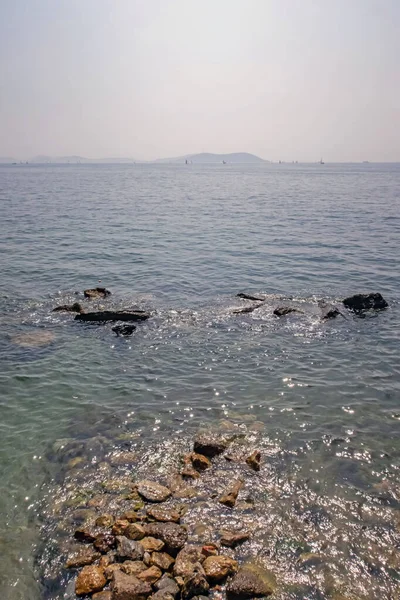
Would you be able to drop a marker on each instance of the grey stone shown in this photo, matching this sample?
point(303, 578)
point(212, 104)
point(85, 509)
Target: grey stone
point(129, 549)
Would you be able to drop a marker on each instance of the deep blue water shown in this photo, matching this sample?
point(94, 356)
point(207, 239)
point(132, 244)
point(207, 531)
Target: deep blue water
point(182, 241)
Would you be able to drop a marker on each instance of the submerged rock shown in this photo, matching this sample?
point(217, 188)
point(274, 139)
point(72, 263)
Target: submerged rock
point(174, 536)
point(254, 460)
point(360, 302)
point(124, 330)
point(251, 581)
point(218, 568)
point(75, 307)
point(33, 339)
point(129, 587)
point(231, 493)
point(330, 313)
point(90, 579)
point(232, 538)
point(162, 513)
point(110, 315)
point(81, 558)
point(210, 445)
point(98, 292)
point(152, 491)
point(247, 309)
point(285, 310)
point(249, 297)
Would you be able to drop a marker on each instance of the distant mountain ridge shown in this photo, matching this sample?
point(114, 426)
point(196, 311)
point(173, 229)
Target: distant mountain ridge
point(202, 158)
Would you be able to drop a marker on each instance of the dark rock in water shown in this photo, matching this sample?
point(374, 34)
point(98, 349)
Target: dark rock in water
point(76, 307)
point(129, 587)
point(195, 585)
point(232, 538)
point(109, 315)
point(129, 549)
point(361, 302)
point(249, 297)
point(98, 292)
point(247, 309)
point(90, 579)
point(254, 460)
point(285, 310)
point(331, 313)
point(174, 536)
point(251, 581)
point(210, 445)
point(199, 461)
point(124, 330)
point(152, 491)
point(218, 568)
point(231, 493)
point(86, 534)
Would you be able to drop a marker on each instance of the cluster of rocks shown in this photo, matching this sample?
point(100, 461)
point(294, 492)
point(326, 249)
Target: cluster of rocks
point(144, 553)
point(104, 316)
point(358, 304)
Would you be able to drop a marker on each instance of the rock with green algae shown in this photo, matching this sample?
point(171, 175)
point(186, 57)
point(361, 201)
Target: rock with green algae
point(251, 581)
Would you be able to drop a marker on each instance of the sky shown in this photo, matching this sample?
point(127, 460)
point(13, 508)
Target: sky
point(283, 79)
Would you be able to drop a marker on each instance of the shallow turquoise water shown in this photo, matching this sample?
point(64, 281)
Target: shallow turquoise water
point(181, 242)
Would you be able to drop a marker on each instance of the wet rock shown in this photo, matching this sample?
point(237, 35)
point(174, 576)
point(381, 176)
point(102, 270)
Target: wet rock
point(167, 584)
point(309, 559)
point(76, 307)
point(361, 302)
point(330, 313)
point(251, 581)
point(232, 538)
point(209, 550)
point(174, 536)
point(124, 330)
point(162, 560)
point(104, 595)
point(162, 595)
point(129, 548)
point(135, 531)
point(231, 493)
point(129, 587)
point(104, 542)
point(131, 516)
point(87, 535)
point(249, 297)
point(152, 491)
point(254, 460)
point(105, 521)
point(109, 315)
point(85, 556)
point(151, 544)
point(120, 526)
point(91, 579)
point(133, 567)
point(190, 472)
point(122, 459)
point(164, 514)
point(151, 575)
point(98, 292)
point(194, 585)
point(188, 561)
point(200, 462)
point(209, 445)
point(247, 309)
point(218, 568)
point(281, 311)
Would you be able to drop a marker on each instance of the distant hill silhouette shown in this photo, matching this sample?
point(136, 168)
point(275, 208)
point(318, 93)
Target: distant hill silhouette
point(209, 158)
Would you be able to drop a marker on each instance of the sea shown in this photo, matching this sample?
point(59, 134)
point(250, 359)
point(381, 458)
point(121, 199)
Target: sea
point(319, 398)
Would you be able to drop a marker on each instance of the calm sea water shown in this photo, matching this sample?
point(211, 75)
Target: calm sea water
point(182, 241)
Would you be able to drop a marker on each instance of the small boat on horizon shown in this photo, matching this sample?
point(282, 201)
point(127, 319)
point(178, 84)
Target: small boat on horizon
point(321, 162)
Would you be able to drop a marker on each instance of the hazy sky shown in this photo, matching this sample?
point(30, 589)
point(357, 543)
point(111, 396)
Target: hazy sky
point(285, 79)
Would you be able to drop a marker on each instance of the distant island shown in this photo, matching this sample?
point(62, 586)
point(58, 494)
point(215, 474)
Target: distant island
point(209, 158)
point(202, 158)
